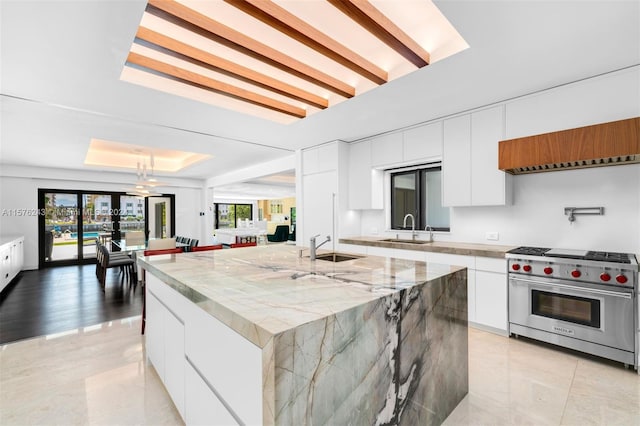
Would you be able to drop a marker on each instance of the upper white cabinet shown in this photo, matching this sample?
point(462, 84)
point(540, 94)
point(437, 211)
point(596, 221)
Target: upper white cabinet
point(423, 142)
point(320, 159)
point(456, 162)
point(365, 182)
point(488, 183)
point(470, 160)
point(387, 149)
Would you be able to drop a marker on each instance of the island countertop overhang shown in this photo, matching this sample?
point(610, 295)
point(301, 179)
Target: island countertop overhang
point(262, 291)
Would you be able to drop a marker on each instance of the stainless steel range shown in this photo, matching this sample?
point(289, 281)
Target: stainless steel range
point(583, 300)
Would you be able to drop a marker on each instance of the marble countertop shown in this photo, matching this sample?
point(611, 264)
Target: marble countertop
point(465, 249)
point(265, 290)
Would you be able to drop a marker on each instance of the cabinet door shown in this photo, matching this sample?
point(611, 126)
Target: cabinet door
point(360, 175)
point(386, 149)
point(202, 406)
point(318, 205)
point(154, 333)
point(491, 300)
point(487, 181)
point(423, 142)
point(456, 162)
point(5, 266)
point(174, 375)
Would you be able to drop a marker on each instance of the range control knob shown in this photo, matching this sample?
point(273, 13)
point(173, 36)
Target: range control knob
point(621, 279)
point(548, 270)
point(575, 273)
point(605, 277)
point(515, 267)
point(526, 268)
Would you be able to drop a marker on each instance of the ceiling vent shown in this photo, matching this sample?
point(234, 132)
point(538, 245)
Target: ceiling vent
point(606, 144)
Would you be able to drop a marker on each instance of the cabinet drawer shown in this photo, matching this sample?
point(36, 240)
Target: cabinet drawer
point(202, 406)
point(452, 259)
point(491, 264)
point(228, 362)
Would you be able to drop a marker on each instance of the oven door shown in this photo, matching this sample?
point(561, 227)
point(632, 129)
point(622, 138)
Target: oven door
point(587, 312)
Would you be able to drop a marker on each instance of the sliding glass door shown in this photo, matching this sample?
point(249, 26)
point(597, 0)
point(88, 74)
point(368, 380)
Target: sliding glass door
point(75, 220)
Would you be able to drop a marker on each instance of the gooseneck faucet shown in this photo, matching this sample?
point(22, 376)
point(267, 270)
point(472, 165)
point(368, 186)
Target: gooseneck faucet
point(413, 225)
point(430, 229)
point(313, 246)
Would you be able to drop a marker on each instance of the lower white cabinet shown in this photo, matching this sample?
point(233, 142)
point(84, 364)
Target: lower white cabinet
point(491, 300)
point(201, 361)
point(11, 259)
point(165, 348)
point(202, 406)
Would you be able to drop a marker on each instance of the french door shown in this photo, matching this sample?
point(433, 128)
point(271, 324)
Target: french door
point(74, 220)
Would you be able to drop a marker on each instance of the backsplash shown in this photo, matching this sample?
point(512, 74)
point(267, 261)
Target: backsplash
point(536, 217)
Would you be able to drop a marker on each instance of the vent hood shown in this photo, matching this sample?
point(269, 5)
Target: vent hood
point(606, 144)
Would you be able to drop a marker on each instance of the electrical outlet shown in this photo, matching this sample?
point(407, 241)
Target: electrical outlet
point(492, 236)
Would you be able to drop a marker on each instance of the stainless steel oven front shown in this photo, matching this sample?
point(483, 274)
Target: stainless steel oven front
point(586, 317)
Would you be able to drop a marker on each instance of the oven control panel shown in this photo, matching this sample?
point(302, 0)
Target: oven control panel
point(574, 271)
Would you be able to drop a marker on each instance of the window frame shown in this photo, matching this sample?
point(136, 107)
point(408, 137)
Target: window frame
point(235, 216)
point(420, 173)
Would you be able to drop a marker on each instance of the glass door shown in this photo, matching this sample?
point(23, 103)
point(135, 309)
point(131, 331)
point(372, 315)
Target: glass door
point(60, 234)
point(75, 220)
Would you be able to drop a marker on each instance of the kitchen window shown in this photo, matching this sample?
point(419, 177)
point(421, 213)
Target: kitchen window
point(418, 191)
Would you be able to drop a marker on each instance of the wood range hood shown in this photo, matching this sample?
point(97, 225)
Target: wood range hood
point(606, 144)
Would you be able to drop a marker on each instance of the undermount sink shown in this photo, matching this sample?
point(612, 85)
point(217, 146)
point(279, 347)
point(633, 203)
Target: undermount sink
point(336, 257)
point(400, 240)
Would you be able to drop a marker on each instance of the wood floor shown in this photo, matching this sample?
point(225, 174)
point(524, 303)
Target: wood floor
point(54, 300)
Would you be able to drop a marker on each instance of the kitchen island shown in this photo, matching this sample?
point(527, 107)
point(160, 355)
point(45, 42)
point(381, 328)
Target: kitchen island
point(262, 336)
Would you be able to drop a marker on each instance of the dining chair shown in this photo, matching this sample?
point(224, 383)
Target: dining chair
point(107, 261)
point(161, 244)
point(147, 252)
point(207, 248)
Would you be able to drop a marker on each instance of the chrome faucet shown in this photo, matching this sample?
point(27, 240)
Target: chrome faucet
point(313, 246)
point(413, 225)
point(430, 229)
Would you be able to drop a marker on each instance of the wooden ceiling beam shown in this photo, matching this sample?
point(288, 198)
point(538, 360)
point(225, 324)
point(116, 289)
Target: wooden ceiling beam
point(191, 20)
point(287, 23)
point(200, 57)
point(203, 82)
point(374, 21)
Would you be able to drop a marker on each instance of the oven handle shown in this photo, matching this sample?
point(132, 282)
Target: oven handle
point(624, 295)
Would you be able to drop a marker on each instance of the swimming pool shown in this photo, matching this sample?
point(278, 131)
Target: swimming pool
point(85, 235)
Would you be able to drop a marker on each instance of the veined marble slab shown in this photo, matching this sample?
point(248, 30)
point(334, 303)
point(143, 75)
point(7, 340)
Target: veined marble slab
point(265, 290)
point(375, 341)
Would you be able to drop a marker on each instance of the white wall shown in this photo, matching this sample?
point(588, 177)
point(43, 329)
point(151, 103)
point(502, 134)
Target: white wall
point(20, 192)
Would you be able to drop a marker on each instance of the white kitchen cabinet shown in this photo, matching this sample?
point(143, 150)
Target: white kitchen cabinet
point(174, 362)
point(365, 182)
point(154, 333)
point(470, 172)
point(423, 142)
point(387, 149)
point(11, 259)
point(183, 344)
point(202, 405)
point(491, 300)
point(320, 159)
point(456, 162)
point(164, 339)
point(318, 205)
point(489, 185)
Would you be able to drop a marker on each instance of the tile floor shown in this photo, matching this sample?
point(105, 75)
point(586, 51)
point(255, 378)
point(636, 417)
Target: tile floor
point(98, 375)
